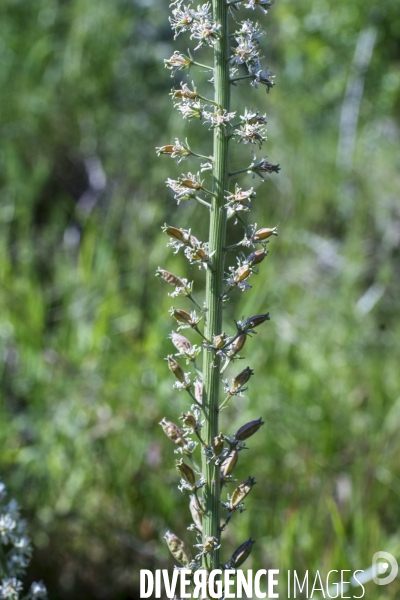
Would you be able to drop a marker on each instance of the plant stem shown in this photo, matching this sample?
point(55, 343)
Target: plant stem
point(214, 286)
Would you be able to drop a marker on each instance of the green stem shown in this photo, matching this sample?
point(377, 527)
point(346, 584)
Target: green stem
point(214, 288)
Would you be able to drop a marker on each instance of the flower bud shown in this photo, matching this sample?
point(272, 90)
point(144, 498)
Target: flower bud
point(184, 93)
point(263, 234)
point(178, 549)
point(218, 444)
point(247, 430)
point(252, 322)
point(196, 513)
point(241, 379)
point(256, 257)
point(175, 368)
point(242, 273)
point(198, 391)
point(174, 432)
point(229, 464)
point(240, 493)
point(189, 420)
point(181, 343)
point(237, 345)
point(170, 278)
point(185, 472)
point(241, 554)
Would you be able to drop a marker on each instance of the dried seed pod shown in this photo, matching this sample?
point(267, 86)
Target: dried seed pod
point(196, 513)
point(169, 278)
point(198, 391)
point(256, 257)
point(242, 273)
point(252, 322)
point(240, 493)
point(219, 340)
point(178, 549)
point(200, 254)
point(181, 343)
point(182, 316)
point(174, 432)
point(229, 463)
point(189, 183)
point(218, 444)
point(175, 368)
point(263, 234)
point(247, 430)
point(241, 554)
point(174, 232)
point(189, 420)
point(241, 379)
point(185, 472)
point(237, 345)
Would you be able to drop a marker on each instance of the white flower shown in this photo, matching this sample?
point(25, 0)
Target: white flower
point(10, 589)
point(218, 118)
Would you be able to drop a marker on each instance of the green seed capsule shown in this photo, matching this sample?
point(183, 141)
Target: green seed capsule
point(263, 234)
point(240, 493)
point(247, 430)
point(185, 472)
point(174, 232)
point(237, 345)
point(241, 554)
point(178, 549)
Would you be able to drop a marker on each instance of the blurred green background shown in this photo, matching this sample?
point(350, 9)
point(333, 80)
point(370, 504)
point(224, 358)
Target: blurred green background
point(84, 322)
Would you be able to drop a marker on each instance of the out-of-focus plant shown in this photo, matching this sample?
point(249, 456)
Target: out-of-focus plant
point(235, 46)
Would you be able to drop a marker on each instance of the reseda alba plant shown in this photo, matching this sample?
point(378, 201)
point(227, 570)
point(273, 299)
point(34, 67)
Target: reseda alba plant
point(234, 45)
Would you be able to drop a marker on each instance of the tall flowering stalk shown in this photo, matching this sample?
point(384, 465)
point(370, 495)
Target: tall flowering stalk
point(235, 47)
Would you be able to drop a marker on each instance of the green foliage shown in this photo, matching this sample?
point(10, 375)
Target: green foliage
point(83, 327)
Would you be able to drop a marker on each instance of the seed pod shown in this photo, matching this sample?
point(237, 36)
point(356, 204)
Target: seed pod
point(200, 254)
point(174, 432)
point(219, 340)
point(181, 343)
point(182, 316)
point(237, 345)
point(168, 149)
point(175, 368)
point(184, 94)
point(256, 320)
point(247, 430)
point(189, 420)
point(198, 391)
point(256, 257)
point(242, 273)
point(218, 444)
point(174, 232)
point(263, 234)
point(196, 513)
point(169, 278)
point(178, 549)
point(241, 379)
point(241, 554)
point(229, 464)
point(210, 543)
point(185, 472)
point(193, 185)
point(240, 493)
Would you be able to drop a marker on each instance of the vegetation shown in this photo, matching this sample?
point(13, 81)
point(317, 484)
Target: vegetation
point(83, 328)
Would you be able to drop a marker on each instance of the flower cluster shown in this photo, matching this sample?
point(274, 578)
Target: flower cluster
point(15, 552)
point(198, 21)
